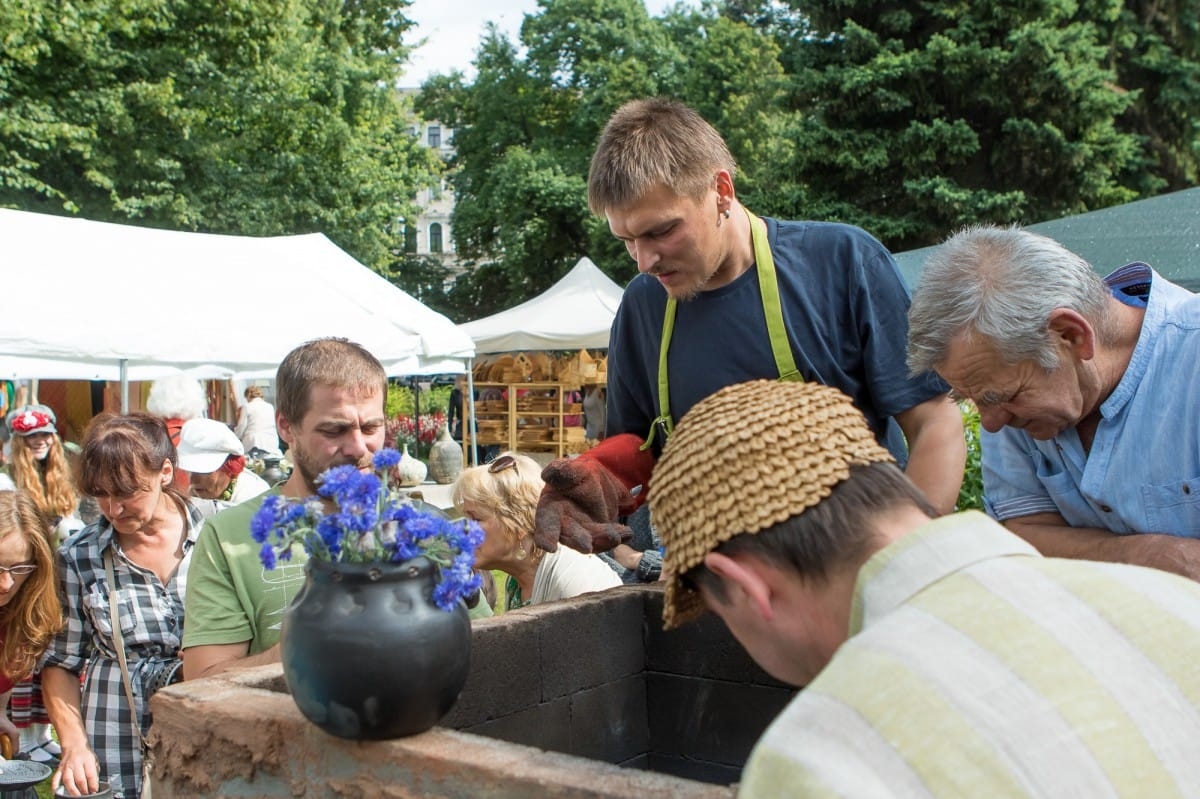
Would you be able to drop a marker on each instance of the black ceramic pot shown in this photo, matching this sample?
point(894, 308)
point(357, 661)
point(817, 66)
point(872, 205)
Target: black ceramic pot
point(366, 653)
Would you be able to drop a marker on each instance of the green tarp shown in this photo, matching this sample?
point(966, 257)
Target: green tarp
point(1162, 231)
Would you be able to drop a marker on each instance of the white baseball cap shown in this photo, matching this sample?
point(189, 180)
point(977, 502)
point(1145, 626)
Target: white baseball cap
point(204, 444)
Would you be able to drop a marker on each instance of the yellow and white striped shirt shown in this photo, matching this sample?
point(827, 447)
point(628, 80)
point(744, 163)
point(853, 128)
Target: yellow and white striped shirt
point(977, 668)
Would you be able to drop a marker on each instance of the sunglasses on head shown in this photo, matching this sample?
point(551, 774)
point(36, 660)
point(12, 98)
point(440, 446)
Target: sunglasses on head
point(502, 463)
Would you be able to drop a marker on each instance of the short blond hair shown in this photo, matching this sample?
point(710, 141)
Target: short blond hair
point(655, 142)
point(511, 493)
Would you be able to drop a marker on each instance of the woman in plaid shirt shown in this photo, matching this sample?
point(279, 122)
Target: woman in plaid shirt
point(128, 465)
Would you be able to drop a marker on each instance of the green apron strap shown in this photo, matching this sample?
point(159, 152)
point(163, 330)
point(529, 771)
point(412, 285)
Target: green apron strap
point(663, 421)
point(781, 349)
point(768, 284)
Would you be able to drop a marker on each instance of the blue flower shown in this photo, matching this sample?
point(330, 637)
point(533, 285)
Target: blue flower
point(263, 521)
point(267, 555)
point(340, 483)
point(360, 518)
point(385, 459)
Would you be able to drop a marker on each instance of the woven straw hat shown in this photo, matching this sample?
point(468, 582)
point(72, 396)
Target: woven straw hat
point(746, 458)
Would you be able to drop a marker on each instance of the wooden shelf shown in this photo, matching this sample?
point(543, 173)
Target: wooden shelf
point(527, 417)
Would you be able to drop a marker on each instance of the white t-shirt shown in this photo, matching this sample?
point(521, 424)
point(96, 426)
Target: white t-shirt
point(566, 573)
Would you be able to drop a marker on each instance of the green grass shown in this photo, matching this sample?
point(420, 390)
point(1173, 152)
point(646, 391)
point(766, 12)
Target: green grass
point(970, 496)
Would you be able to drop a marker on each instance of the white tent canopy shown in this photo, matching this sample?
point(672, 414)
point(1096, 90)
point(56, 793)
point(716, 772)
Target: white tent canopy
point(92, 299)
point(574, 313)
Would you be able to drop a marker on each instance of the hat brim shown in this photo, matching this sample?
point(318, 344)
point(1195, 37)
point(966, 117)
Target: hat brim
point(201, 462)
point(49, 428)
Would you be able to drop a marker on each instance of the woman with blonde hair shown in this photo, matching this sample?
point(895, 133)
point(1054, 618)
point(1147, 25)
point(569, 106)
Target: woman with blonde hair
point(39, 465)
point(502, 496)
point(30, 613)
point(256, 423)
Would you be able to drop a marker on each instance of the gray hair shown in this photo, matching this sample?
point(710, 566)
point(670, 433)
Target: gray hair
point(177, 397)
point(1001, 284)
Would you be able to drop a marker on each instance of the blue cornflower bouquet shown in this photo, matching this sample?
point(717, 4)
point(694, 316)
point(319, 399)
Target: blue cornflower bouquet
point(373, 523)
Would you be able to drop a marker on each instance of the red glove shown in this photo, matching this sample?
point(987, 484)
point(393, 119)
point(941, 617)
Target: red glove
point(584, 496)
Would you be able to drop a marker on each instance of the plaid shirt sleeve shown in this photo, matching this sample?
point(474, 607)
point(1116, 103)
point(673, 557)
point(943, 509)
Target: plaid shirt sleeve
point(72, 646)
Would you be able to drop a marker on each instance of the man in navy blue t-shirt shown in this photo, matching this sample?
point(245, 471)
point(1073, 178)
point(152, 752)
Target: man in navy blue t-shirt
point(725, 297)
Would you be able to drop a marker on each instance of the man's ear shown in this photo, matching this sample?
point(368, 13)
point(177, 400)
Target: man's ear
point(743, 579)
point(723, 183)
point(1071, 328)
point(284, 428)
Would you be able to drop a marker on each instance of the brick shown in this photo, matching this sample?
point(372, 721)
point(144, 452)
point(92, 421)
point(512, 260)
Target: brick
point(709, 720)
point(546, 726)
point(609, 722)
point(589, 640)
point(504, 671)
point(693, 769)
point(703, 648)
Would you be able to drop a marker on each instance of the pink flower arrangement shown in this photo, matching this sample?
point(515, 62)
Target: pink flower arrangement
point(402, 430)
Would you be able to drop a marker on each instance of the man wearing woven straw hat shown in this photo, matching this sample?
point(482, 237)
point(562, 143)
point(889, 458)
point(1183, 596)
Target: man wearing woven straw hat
point(941, 657)
point(726, 296)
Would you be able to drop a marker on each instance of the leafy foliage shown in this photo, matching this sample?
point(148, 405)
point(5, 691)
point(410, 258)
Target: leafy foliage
point(916, 123)
point(233, 116)
point(909, 120)
point(970, 495)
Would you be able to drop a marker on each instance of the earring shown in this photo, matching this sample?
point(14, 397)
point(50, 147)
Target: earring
point(726, 213)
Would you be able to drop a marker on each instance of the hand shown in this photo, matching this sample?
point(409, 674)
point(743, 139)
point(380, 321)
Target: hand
point(78, 772)
point(579, 507)
point(10, 731)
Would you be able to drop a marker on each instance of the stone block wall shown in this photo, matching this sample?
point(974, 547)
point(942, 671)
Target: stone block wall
point(582, 698)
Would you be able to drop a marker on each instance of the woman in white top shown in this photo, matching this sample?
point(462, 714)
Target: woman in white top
point(502, 496)
point(256, 423)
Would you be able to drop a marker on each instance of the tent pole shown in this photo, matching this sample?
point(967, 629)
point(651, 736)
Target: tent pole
point(124, 366)
point(474, 449)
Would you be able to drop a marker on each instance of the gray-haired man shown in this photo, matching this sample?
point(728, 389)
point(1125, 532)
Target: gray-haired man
point(1086, 388)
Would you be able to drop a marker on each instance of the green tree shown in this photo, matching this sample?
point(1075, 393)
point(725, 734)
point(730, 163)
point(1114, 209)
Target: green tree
point(243, 116)
point(524, 130)
point(526, 127)
point(916, 121)
point(734, 78)
point(1154, 48)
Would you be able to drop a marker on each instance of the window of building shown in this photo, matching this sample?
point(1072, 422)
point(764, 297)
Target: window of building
point(435, 135)
point(435, 237)
point(410, 239)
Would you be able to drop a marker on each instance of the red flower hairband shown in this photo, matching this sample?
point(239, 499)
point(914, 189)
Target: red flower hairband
point(30, 421)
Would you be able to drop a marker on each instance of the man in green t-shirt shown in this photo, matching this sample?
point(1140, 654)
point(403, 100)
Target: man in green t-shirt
point(330, 410)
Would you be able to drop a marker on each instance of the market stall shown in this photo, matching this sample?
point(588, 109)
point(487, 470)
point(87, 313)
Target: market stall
point(529, 400)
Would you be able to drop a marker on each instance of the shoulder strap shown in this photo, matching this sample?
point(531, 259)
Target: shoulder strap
point(781, 348)
point(768, 283)
point(119, 644)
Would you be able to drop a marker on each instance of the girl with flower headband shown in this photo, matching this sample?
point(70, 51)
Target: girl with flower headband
point(39, 465)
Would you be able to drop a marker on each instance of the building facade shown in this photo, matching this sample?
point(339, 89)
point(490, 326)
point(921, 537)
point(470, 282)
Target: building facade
point(430, 233)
